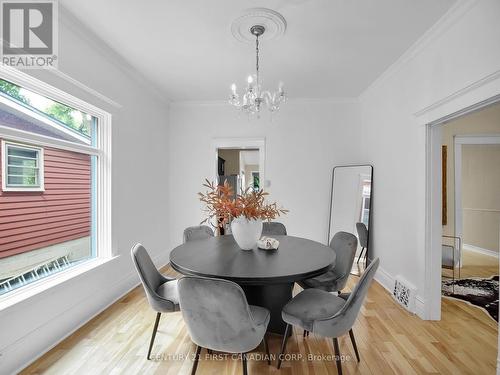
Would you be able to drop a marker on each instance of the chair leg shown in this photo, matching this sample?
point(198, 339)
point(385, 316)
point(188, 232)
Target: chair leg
point(266, 348)
point(196, 357)
point(283, 344)
point(155, 328)
point(304, 334)
point(360, 254)
point(351, 334)
point(244, 363)
point(337, 355)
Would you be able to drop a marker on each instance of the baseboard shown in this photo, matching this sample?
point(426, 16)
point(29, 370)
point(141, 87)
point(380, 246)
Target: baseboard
point(386, 280)
point(480, 250)
point(129, 282)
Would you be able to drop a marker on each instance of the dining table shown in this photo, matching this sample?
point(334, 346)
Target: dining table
point(267, 277)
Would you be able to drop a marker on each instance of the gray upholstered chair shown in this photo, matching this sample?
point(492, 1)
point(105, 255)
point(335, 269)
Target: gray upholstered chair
point(218, 317)
point(161, 291)
point(199, 232)
point(327, 314)
point(273, 228)
point(363, 239)
point(344, 245)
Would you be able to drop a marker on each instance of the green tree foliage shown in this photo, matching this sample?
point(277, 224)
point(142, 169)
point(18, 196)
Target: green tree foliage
point(12, 90)
point(65, 115)
point(56, 110)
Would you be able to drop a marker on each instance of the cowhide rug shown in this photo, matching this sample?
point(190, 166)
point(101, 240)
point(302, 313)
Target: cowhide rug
point(478, 292)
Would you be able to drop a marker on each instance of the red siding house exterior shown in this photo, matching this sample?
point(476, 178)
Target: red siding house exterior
point(62, 212)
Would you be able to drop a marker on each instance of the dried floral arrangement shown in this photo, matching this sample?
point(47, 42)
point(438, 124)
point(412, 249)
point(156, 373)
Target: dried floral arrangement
point(221, 205)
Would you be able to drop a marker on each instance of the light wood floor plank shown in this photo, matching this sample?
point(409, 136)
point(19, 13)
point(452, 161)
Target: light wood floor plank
point(390, 341)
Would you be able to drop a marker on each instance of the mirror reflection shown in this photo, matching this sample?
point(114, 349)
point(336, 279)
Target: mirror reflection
point(350, 208)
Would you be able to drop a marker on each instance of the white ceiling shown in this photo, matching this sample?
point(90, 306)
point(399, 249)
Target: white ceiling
point(331, 48)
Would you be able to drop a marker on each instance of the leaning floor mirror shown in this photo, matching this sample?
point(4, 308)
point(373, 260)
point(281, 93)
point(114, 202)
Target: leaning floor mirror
point(350, 208)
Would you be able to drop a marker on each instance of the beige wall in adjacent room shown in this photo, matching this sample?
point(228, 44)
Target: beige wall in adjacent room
point(481, 195)
point(232, 158)
point(484, 121)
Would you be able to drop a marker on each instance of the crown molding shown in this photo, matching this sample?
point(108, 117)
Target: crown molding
point(84, 87)
point(453, 15)
point(473, 86)
point(74, 24)
point(219, 102)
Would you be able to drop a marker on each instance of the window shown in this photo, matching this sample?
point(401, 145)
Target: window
point(22, 167)
point(55, 174)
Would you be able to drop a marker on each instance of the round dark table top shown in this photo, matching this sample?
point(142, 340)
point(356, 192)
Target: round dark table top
point(220, 257)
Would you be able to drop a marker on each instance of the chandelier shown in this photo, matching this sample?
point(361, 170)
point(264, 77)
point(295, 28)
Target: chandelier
point(254, 96)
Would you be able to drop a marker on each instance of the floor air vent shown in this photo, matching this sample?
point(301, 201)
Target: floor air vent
point(404, 293)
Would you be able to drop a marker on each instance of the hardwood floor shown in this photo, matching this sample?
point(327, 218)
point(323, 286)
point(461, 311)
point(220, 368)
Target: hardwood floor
point(476, 265)
point(390, 341)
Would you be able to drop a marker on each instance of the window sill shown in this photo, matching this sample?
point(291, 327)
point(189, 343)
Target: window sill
point(52, 281)
point(23, 190)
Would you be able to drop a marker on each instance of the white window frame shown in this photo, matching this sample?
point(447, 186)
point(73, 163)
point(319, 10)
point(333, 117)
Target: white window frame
point(40, 165)
point(102, 149)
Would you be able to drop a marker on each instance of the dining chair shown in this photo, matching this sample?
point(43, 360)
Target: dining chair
point(161, 291)
point(363, 239)
point(199, 232)
point(218, 317)
point(344, 245)
point(273, 228)
point(327, 314)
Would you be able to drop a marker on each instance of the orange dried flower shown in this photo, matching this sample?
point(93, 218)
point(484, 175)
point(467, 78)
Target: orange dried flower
point(221, 205)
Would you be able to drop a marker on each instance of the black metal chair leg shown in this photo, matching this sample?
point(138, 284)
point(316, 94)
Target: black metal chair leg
point(209, 351)
point(196, 357)
point(304, 334)
point(337, 355)
point(266, 348)
point(244, 363)
point(155, 328)
point(283, 345)
point(360, 254)
point(351, 334)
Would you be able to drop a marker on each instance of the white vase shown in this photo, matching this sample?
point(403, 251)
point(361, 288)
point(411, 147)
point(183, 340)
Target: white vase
point(246, 232)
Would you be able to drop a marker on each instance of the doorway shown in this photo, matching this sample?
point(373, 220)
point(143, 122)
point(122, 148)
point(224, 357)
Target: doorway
point(477, 202)
point(466, 239)
point(240, 162)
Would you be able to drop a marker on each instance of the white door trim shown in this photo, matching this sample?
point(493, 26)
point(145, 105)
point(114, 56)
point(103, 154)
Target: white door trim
point(476, 96)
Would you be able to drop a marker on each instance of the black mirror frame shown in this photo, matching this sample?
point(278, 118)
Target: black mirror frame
point(368, 260)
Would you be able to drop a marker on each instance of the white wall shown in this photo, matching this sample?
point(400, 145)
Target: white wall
point(139, 201)
point(303, 143)
point(440, 71)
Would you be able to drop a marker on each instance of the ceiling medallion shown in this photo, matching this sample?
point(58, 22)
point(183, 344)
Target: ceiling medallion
point(255, 25)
